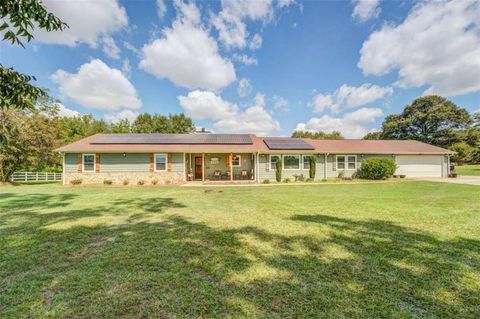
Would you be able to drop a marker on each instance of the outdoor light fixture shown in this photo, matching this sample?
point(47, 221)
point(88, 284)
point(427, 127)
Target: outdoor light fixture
point(124, 154)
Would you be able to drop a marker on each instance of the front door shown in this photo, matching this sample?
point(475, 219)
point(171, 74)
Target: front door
point(198, 167)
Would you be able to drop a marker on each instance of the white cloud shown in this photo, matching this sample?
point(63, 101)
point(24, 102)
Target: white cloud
point(227, 116)
point(126, 67)
point(118, 116)
point(161, 8)
point(322, 102)
point(110, 48)
point(438, 45)
point(355, 96)
point(98, 86)
point(285, 3)
point(351, 125)
point(87, 21)
point(187, 55)
point(245, 59)
point(366, 9)
point(63, 111)
point(256, 42)
point(279, 102)
point(230, 21)
point(244, 87)
point(349, 97)
point(201, 105)
point(131, 47)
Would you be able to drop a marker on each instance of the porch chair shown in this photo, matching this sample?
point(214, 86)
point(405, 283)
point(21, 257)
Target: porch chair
point(244, 175)
point(217, 175)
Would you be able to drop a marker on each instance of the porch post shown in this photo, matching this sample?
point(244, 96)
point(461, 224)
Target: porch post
point(231, 166)
point(184, 167)
point(325, 166)
point(203, 167)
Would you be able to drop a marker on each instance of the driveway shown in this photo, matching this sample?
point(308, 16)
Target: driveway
point(470, 180)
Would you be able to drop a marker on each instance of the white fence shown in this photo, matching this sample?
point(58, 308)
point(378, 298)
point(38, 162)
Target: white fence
point(36, 177)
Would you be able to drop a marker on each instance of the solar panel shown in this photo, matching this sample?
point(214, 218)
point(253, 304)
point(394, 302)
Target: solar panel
point(287, 144)
point(174, 139)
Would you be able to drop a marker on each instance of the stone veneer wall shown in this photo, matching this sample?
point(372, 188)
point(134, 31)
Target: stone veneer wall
point(163, 178)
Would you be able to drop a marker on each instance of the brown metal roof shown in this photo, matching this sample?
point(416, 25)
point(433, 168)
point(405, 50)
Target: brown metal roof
point(89, 144)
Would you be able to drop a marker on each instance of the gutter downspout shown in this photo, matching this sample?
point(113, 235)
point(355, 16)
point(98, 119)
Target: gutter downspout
point(257, 164)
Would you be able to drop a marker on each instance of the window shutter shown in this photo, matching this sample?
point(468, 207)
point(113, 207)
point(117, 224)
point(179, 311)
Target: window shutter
point(169, 162)
point(97, 163)
point(79, 163)
point(151, 162)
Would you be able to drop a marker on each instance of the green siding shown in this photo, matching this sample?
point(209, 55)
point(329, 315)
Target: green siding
point(70, 162)
point(117, 163)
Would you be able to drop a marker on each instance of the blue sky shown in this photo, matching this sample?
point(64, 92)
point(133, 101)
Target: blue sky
point(267, 67)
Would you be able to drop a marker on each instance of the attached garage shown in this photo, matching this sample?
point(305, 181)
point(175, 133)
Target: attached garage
point(419, 165)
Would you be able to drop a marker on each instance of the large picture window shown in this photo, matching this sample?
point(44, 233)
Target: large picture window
point(160, 162)
point(346, 162)
point(89, 162)
point(273, 160)
point(291, 162)
point(237, 160)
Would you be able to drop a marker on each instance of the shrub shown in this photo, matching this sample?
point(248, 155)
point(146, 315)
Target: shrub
point(377, 168)
point(324, 180)
point(126, 182)
point(154, 181)
point(141, 182)
point(167, 182)
point(301, 178)
point(278, 171)
point(76, 181)
point(286, 180)
point(266, 181)
point(313, 167)
point(309, 180)
point(341, 174)
point(107, 182)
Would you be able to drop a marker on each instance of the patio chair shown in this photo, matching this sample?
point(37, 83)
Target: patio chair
point(244, 175)
point(217, 175)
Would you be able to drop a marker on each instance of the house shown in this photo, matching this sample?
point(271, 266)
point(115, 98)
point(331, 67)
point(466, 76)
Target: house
point(179, 158)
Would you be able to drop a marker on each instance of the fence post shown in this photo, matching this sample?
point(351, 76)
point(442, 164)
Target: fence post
point(25, 179)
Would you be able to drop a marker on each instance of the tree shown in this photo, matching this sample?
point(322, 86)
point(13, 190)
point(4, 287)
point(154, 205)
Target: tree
point(313, 166)
point(334, 135)
point(464, 151)
point(373, 136)
point(30, 137)
point(430, 119)
point(278, 171)
point(77, 127)
point(156, 123)
point(122, 126)
point(19, 18)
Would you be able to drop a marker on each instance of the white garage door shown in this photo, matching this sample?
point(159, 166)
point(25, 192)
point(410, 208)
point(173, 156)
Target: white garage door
point(419, 165)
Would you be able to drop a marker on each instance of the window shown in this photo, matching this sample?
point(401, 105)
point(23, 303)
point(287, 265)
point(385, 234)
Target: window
point(273, 160)
point(160, 162)
point(89, 162)
point(306, 161)
point(291, 162)
point(236, 160)
point(348, 162)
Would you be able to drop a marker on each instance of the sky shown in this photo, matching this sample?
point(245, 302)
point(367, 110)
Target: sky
point(264, 67)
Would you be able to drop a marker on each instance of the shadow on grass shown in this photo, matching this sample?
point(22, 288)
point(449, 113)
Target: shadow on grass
point(178, 268)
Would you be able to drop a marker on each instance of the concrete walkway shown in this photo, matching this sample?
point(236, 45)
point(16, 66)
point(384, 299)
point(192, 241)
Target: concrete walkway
point(469, 180)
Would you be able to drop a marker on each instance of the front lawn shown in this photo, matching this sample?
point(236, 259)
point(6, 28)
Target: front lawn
point(389, 250)
point(468, 170)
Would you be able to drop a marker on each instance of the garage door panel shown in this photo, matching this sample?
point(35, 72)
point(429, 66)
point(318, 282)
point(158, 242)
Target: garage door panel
point(419, 165)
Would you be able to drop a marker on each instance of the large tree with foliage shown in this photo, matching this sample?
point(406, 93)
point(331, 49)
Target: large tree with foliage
point(30, 136)
point(373, 136)
point(430, 119)
point(18, 20)
point(334, 135)
point(157, 123)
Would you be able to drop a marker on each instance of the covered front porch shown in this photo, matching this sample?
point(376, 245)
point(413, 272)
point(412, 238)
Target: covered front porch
point(220, 167)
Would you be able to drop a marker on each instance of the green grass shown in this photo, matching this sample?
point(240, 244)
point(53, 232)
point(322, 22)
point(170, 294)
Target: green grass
point(468, 170)
point(387, 250)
